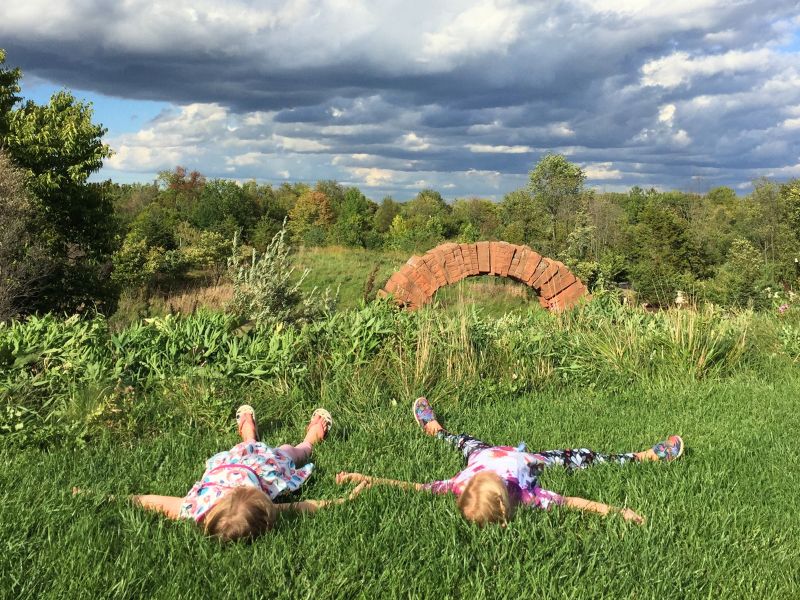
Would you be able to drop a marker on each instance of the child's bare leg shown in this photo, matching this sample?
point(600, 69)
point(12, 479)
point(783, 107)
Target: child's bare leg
point(247, 424)
point(315, 432)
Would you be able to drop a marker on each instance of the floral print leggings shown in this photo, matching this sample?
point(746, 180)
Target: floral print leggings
point(570, 458)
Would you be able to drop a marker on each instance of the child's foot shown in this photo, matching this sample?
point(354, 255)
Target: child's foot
point(668, 450)
point(246, 421)
point(424, 415)
point(318, 427)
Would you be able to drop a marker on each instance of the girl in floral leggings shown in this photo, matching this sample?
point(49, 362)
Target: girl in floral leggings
point(499, 478)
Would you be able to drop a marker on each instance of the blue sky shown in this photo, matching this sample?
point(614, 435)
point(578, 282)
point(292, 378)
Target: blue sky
point(463, 96)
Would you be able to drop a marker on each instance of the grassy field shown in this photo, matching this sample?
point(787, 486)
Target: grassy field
point(722, 522)
point(138, 409)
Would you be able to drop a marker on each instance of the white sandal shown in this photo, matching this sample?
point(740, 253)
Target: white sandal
point(326, 417)
point(246, 409)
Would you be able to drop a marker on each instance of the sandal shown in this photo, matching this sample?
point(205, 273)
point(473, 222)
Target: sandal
point(246, 409)
point(326, 419)
point(669, 449)
point(423, 412)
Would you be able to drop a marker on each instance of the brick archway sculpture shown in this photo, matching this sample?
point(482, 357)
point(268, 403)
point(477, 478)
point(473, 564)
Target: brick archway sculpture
point(416, 282)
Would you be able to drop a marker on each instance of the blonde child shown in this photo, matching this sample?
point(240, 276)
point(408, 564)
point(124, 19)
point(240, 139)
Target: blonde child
point(497, 479)
point(234, 498)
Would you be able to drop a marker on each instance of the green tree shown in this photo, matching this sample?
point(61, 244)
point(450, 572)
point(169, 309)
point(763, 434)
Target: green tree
point(385, 214)
point(354, 219)
point(9, 88)
point(524, 221)
point(311, 218)
point(57, 147)
point(557, 185)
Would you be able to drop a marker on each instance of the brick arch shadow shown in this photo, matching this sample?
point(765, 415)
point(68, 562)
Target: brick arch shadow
point(417, 281)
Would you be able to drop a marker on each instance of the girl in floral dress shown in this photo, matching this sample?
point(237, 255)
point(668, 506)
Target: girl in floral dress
point(497, 479)
point(234, 498)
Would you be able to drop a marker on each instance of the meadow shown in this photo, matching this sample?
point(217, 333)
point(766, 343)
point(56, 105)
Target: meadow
point(138, 407)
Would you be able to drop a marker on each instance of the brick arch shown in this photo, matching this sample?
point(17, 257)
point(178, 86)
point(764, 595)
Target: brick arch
point(417, 281)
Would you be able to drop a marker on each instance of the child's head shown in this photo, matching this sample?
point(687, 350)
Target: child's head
point(244, 512)
point(485, 499)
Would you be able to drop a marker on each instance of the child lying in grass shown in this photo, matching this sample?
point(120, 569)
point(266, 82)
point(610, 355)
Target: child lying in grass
point(234, 498)
point(499, 478)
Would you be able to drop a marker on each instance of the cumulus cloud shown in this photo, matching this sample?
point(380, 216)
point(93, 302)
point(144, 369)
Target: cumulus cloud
point(463, 95)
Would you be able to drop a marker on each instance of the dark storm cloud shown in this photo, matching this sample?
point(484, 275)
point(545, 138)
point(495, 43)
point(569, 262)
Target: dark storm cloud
point(393, 94)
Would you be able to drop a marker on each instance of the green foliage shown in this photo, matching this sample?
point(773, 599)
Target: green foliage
point(58, 146)
point(24, 261)
point(741, 278)
point(9, 90)
point(266, 290)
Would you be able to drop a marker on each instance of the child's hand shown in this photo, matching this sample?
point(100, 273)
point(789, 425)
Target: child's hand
point(358, 489)
point(343, 477)
point(629, 515)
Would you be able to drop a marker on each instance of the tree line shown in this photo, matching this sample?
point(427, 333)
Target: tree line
point(70, 245)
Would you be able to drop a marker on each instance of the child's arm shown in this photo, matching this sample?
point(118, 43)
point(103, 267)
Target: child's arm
point(366, 479)
point(167, 505)
point(312, 506)
point(602, 509)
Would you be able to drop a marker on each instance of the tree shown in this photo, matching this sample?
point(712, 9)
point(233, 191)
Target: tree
point(354, 220)
point(385, 214)
point(57, 147)
point(310, 218)
point(524, 221)
point(557, 184)
point(9, 88)
point(24, 261)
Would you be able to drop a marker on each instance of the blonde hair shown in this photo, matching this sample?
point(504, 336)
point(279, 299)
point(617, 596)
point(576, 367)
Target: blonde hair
point(242, 513)
point(485, 499)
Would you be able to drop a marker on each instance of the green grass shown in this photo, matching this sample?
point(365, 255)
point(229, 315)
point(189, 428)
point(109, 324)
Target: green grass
point(139, 410)
point(722, 521)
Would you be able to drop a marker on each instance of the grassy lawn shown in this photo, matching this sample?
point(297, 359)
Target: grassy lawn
point(721, 522)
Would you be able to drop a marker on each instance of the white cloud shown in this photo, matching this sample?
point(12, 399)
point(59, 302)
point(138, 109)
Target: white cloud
point(373, 177)
point(666, 114)
point(791, 123)
point(679, 67)
point(601, 171)
point(296, 144)
point(413, 142)
point(489, 149)
point(487, 26)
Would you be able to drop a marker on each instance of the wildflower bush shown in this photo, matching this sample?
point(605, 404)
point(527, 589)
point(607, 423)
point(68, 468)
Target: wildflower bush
point(267, 291)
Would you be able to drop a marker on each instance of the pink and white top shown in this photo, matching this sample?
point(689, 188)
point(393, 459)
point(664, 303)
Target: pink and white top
point(249, 464)
point(519, 470)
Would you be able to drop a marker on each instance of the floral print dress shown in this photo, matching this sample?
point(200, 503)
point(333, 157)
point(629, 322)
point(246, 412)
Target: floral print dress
point(249, 464)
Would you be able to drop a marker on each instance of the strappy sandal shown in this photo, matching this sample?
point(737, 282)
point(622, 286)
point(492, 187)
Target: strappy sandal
point(326, 418)
point(669, 449)
point(246, 409)
point(423, 412)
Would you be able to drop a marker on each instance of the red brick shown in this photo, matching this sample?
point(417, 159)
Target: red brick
point(470, 256)
point(436, 267)
point(500, 254)
point(430, 283)
point(540, 268)
point(546, 275)
point(532, 260)
point(563, 279)
point(569, 296)
point(410, 292)
point(484, 264)
point(518, 261)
